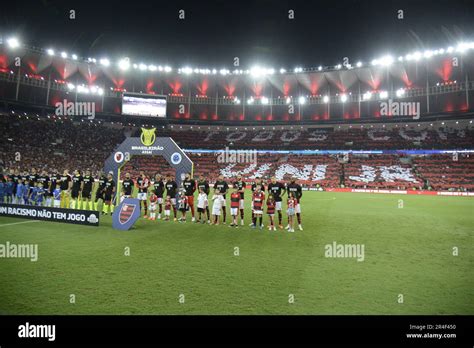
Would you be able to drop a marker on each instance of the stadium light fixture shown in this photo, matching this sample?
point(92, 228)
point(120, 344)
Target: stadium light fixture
point(417, 56)
point(386, 60)
point(367, 95)
point(301, 100)
point(282, 71)
point(288, 100)
point(326, 99)
point(124, 64)
point(74, 56)
point(63, 55)
point(50, 52)
point(70, 86)
point(142, 66)
point(320, 68)
point(343, 98)
point(104, 62)
point(400, 92)
point(237, 101)
point(359, 64)
point(168, 69)
point(152, 67)
point(450, 49)
point(264, 100)
point(383, 95)
point(428, 54)
point(13, 42)
point(250, 100)
point(339, 66)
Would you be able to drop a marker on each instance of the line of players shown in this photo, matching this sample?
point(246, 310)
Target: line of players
point(166, 194)
point(75, 191)
point(57, 190)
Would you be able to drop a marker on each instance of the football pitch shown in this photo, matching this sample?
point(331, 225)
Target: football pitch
point(417, 259)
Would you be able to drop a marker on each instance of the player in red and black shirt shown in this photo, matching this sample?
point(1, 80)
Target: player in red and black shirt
point(258, 197)
point(241, 188)
point(295, 188)
point(271, 211)
point(159, 189)
point(189, 186)
point(235, 197)
point(143, 183)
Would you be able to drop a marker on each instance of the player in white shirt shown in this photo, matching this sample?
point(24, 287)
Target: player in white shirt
point(202, 205)
point(219, 201)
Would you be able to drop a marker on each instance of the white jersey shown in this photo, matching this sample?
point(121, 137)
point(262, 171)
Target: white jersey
point(202, 201)
point(218, 204)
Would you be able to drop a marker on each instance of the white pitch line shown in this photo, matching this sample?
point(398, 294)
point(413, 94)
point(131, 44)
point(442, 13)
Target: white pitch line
point(17, 223)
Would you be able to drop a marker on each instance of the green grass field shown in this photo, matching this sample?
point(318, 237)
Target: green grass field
point(408, 251)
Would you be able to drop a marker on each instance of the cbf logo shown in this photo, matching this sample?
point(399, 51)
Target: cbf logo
point(176, 158)
point(128, 214)
point(148, 136)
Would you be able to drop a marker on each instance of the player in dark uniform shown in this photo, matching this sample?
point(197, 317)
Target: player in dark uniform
point(43, 179)
point(65, 186)
point(258, 182)
point(87, 185)
point(54, 179)
point(240, 184)
point(189, 186)
point(76, 189)
point(204, 185)
point(99, 193)
point(159, 190)
point(143, 183)
point(171, 190)
point(32, 177)
point(222, 187)
point(295, 188)
point(127, 187)
point(277, 189)
point(109, 192)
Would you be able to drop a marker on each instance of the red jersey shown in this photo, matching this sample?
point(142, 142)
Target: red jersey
point(291, 202)
point(153, 198)
point(258, 198)
point(168, 204)
point(270, 207)
point(234, 200)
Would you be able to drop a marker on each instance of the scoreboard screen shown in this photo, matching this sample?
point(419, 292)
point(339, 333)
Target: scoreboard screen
point(151, 105)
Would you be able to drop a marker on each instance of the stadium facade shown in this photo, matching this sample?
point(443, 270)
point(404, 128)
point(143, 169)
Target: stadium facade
point(419, 86)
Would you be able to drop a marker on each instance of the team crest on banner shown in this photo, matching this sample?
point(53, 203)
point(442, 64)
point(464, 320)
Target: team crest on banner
point(126, 214)
point(148, 136)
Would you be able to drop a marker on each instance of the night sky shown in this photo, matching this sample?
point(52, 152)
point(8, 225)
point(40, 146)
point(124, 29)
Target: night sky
point(258, 32)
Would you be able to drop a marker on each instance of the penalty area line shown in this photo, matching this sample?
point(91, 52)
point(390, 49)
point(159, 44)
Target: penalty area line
point(18, 223)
